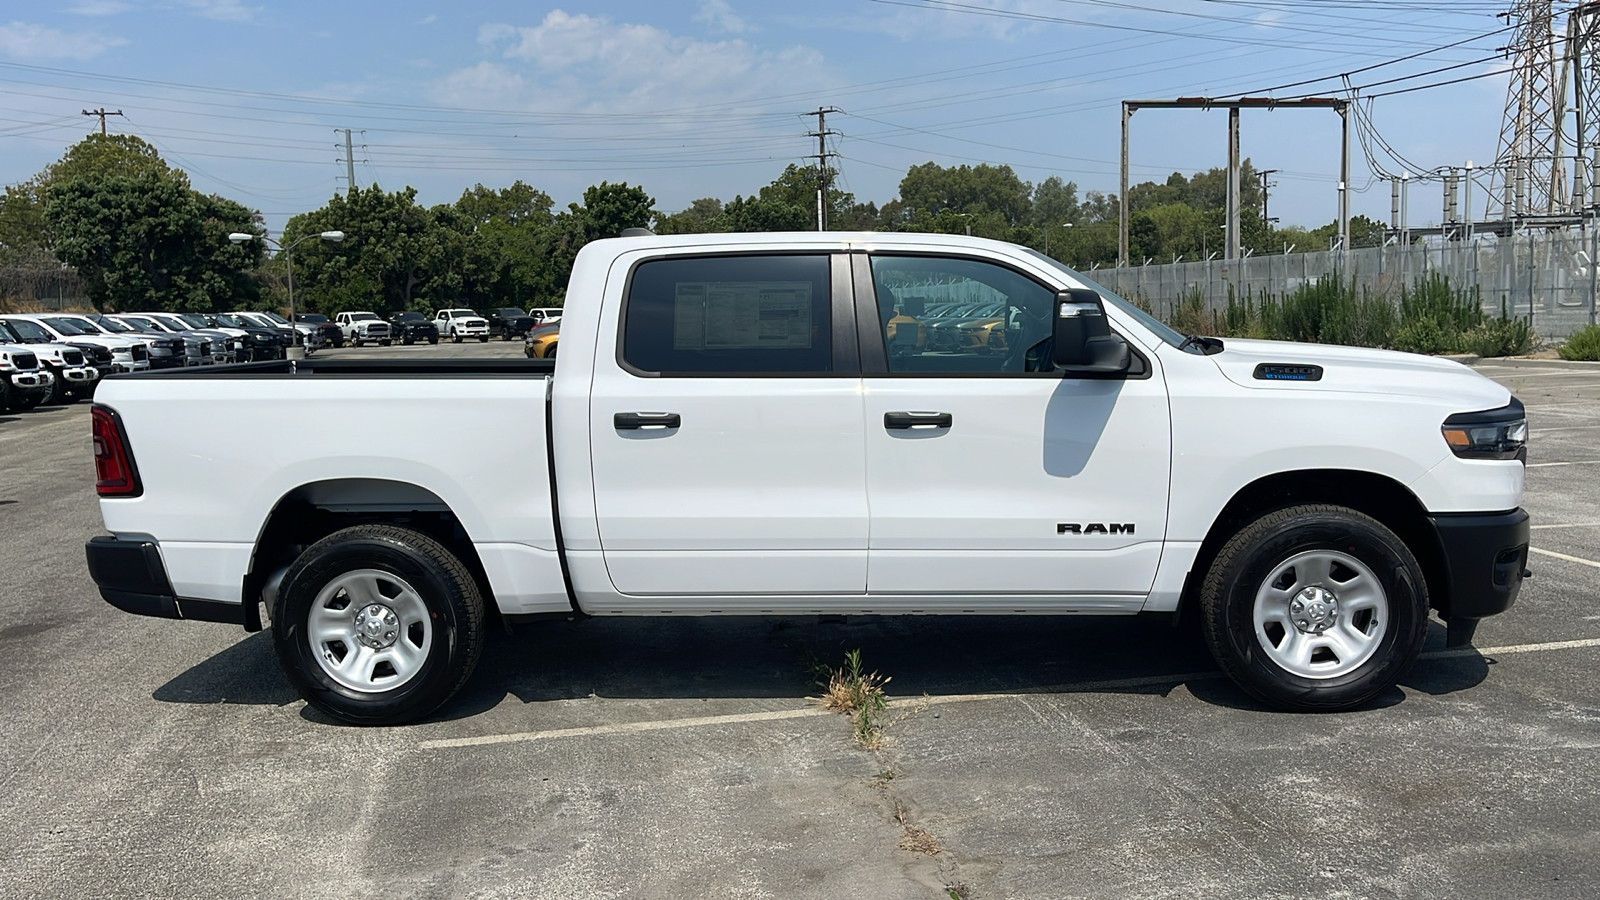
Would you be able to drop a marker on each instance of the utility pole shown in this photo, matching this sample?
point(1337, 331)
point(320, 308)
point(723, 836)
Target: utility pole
point(101, 112)
point(1129, 107)
point(1265, 186)
point(349, 162)
point(1232, 251)
point(821, 134)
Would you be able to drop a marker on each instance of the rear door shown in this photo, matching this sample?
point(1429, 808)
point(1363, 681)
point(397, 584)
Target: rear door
point(726, 430)
point(994, 481)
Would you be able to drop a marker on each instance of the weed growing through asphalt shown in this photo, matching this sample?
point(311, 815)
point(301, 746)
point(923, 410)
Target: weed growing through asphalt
point(858, 694)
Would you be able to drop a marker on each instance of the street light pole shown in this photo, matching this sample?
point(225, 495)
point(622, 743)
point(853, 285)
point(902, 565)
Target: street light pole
point(239, 237)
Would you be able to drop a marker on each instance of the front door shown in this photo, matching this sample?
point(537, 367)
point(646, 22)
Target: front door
point(726, 433)
point(994, 482)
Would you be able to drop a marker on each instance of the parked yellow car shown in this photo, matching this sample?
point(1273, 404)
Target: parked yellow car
point(541, 343)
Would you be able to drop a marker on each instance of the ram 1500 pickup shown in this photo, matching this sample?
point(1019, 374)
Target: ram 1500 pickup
point(756, 424)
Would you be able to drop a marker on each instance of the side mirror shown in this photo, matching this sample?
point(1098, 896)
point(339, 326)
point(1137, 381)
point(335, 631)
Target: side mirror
point(1081, 336)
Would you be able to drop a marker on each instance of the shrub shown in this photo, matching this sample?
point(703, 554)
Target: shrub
point(1499, 337)
point(1584, 344)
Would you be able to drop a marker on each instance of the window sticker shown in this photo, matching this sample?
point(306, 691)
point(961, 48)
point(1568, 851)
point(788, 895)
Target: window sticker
point(742, 315)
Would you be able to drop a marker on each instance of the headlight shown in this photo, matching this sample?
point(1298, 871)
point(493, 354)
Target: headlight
point(1491, 434)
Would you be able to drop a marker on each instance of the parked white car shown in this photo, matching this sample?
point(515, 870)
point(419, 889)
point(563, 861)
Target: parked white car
point(75, 377)
point(361, 327)
point(128, 354)
point(24, 384)
point(729, 433)
point(547, 315)
point(457, 324)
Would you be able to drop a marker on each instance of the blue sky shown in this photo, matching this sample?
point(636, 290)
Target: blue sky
point(705, 97)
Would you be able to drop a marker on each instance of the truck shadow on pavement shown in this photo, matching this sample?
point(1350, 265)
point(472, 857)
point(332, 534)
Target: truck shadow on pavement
point(737, 657)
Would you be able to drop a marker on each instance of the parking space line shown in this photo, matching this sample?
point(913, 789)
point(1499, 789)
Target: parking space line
point(912, 703)
point(1581, 462)
point(1576, 559)
point(623, 728)
point(1568, 525)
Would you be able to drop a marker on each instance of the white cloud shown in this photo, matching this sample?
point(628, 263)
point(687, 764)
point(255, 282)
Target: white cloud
point(20, 40)
point(224, 10)
point(429, 20)
point(99, 7)
point(575, 62)
point(721, 17)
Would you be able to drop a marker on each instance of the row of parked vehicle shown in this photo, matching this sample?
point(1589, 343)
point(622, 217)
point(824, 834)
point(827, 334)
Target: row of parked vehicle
point(61, 357)
point(361, 327)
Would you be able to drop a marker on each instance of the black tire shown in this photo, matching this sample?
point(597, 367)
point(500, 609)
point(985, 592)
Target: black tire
point(483, 339)
point(454, 608)
point(59, 390)
point(355, 343)
point(434, 339)
point(1256, 552)
point(455, 337)
point(551, 353)
point(407, 341)
point(29, 401)
point(385, 343)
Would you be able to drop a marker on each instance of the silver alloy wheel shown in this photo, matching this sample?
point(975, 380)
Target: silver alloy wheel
point(1320, 614)
point(370, 630)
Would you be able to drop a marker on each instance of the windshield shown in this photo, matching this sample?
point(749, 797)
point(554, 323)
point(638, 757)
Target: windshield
point(29, 332)
point(66, 326)
point(144, 324)
point(173, 322)
point(313, 318)
point(274, 317)
point(410, 317)
point(111, 325)
point(83, 324)
point(510, 313)
point(196, 321)
point(362, 317)
point(1156, 326)
point(233, 321)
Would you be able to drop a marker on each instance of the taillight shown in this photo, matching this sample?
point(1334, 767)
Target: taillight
point(115, 474)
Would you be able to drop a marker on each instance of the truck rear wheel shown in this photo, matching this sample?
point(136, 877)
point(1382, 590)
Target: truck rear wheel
point(378, 625)
point(1315, 608)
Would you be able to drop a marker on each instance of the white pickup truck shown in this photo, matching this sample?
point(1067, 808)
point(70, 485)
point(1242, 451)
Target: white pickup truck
point(760, 424)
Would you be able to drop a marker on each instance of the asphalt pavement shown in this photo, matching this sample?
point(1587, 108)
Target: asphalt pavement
point(1025, 758)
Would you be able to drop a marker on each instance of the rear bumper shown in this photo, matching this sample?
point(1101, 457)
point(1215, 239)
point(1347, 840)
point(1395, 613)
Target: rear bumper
point(1485, 555)
point(132, 577)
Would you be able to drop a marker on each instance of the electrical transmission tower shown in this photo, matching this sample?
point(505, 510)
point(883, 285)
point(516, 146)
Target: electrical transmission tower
point(1583, 64)
point(1530, 175)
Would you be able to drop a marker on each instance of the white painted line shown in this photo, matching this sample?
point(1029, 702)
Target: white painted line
point(940, 700)
point(1512, 648)
point(1576, 559)
point(624, 728)
point(1581, 462)
point(1570, 525)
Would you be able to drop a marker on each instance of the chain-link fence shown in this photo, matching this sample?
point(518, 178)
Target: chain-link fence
point(40, 288)
point(1548, 278)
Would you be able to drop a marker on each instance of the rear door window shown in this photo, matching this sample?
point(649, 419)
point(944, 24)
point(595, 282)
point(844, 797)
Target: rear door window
point(730, 315)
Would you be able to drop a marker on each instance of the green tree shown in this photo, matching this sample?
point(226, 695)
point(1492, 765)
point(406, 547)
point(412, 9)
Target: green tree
point(704, 216)
point(930, 189)
point(149, 241)
point(25, 230)
point(396, 255)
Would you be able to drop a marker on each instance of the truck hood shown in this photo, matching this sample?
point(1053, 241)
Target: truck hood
point(1360, 370)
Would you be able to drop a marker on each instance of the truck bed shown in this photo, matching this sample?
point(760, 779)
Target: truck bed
point(363, 368)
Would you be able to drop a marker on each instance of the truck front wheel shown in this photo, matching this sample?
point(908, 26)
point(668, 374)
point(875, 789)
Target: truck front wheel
point(1315, 608)
point(378, 625)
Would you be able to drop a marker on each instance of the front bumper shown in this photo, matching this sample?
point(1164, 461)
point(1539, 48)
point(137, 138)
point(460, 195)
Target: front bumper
point(132, 577)
point(1485, 557)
